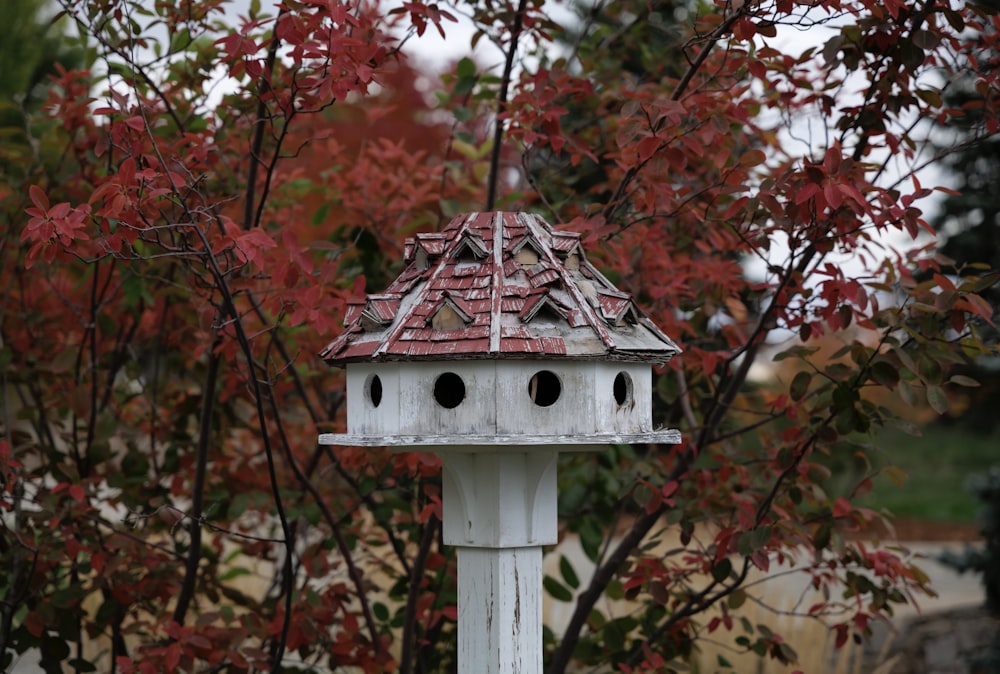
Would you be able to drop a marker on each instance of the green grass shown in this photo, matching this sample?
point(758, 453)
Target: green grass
point(936, 464)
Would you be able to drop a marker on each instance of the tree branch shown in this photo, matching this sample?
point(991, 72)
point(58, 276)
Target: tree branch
point(198, 486)
point(515, 34)
point(413, 595)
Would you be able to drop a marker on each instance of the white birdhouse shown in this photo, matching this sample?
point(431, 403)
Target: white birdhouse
point(497, 347)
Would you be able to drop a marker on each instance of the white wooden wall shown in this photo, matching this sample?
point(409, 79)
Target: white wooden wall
point(497, 399)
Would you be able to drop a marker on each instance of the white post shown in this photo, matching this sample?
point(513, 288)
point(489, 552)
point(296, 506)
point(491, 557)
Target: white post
point(500, 610)
point(500, 509)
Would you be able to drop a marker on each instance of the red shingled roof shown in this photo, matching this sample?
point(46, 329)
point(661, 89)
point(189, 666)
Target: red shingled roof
point(509, 287)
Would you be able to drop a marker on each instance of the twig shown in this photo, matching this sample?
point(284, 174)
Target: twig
point(198, 487)
point(413, 595)
point(515, 34)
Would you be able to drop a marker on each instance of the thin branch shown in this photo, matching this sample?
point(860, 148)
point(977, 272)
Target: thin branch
point(256, 145)
point(515, 34)
point(198, 487)
point(353, 572)
point(413, 595)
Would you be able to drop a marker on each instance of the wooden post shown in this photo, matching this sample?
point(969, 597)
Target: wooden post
point(500, 509)
point(500, 610)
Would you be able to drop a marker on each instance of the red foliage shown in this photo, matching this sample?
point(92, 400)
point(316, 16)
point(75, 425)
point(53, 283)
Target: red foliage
point(186, 241)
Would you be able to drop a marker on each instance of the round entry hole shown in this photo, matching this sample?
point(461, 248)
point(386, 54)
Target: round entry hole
point(623, 389)
point(544, 388)
point(449, 390)
point(374, 390)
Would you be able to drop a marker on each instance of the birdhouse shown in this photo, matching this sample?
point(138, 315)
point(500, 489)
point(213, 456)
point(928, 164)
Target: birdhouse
point(498, 346)
point(498, 325)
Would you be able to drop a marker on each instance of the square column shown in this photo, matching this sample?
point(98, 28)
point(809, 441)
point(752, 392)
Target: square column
point(500, 509)
point(502, 498)
point(500, 610)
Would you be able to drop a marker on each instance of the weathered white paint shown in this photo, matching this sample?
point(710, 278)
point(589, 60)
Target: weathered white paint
point(361, 411)
point(500, 500)
point(500, 509)
point(496, 300)
point(500, 610)
point(497, 443)
point(497, 399)
point(636, 414)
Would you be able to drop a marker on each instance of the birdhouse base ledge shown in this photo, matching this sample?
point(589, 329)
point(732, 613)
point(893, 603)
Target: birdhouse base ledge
point(500, 443)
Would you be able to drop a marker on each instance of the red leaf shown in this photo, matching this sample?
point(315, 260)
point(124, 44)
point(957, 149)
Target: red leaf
point(807, 192)
point(842, 635)
point(199, 641)
point(173, 656)
point(38, 197)
point(752, 158)
point(34, 624)
point(77, 492)
point(833, 195)
point(841, 507)
point(647, 147)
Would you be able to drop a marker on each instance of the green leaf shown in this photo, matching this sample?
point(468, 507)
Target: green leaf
point(795, 352)
point(180, 41)
point(822, 538)
point(722, 570)
point(615, 590)
point(134, 290)
point(907, 393)
point(929, 96)
point(849, 419)
point(962, 380)
point(568, 574)
point(319, 217)
point(786, 653)
point(800, 385)
point(466, 68)
point(885, 373)
point(56, 651)
point(937, 399)
point(760, 537)
point(591, 538)
point(235, 572)
point(557, 590)
point(930, 370)
point(844, 396)
point(596, 620)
